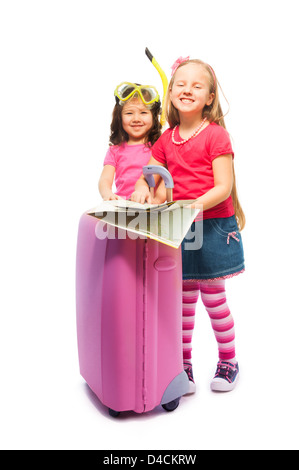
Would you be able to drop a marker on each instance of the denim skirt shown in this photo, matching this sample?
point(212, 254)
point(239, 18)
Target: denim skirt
point(213, 249)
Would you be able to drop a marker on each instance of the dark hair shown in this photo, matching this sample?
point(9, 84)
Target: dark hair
point(118, 135)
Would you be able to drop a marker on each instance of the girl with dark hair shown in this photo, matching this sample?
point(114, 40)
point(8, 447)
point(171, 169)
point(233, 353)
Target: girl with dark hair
point(135, 127)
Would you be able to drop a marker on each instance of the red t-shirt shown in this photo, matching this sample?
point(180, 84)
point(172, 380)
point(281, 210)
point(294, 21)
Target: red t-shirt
point(190, 164)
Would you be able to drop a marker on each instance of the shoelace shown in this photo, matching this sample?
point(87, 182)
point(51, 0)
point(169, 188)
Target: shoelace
point(189, 372)
point(225, 370)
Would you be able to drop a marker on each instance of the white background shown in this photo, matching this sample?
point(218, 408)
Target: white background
point(60, 62)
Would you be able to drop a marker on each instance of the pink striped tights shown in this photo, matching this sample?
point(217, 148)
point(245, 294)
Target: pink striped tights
point(214, 299)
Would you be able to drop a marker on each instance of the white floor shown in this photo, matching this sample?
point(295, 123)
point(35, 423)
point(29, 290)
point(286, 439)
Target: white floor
point(45, 404)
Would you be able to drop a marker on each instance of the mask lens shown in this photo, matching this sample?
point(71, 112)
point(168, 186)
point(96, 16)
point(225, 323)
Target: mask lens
point(125, 90)
point(149, 94)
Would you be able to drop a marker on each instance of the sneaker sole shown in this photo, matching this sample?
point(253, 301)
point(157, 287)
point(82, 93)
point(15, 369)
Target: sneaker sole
point(221, 385)
point(192, 388)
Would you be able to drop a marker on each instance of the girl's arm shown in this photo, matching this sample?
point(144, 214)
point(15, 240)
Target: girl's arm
point(160, 193)
point(105, 183)
point(141, 193)
point(223, 182)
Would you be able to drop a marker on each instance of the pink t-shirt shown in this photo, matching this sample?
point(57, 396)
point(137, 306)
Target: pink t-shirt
point(128, 161)
point(190, 164)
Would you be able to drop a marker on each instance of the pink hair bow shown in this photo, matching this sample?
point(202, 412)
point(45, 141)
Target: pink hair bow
point(177, 63)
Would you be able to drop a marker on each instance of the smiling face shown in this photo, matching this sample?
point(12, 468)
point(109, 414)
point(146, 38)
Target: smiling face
point(137, 120)
point(190, 91)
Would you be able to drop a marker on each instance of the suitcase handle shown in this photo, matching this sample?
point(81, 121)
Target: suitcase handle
point(150, 170)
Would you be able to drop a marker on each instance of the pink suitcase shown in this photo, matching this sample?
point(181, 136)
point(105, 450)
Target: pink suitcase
point(129, 320)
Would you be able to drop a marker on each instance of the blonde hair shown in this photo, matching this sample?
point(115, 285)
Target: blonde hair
point(213, 113)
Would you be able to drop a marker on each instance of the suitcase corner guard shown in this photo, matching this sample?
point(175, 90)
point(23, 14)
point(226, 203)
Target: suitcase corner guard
point(177, 388)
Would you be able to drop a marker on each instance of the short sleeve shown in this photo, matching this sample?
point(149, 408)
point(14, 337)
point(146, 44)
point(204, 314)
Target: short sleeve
point(219, 143)
point(158, 150)
point(110, 158)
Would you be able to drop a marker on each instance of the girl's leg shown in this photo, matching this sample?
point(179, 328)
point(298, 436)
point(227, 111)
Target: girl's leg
point(190, 297)
point(214, 298)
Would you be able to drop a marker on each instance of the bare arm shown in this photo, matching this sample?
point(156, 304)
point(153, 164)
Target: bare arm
point(142, 194)
point(223, 182)
point(160, 193)
point(105, 183)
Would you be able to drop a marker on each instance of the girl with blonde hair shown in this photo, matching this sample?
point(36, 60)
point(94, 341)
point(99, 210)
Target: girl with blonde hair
point(197, 151)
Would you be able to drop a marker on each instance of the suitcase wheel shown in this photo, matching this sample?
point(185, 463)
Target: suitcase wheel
point(114, 413)
point(172, 405)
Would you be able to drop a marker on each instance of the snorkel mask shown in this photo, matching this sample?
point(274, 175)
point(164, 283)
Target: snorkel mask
point(126, 90)
point(148, 94)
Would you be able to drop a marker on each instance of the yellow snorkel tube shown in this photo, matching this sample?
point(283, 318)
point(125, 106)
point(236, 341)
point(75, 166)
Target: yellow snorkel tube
point(164, 82)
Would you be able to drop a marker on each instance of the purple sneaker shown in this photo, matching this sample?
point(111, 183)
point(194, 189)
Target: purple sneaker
point(226, 377)
point(189, 372)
